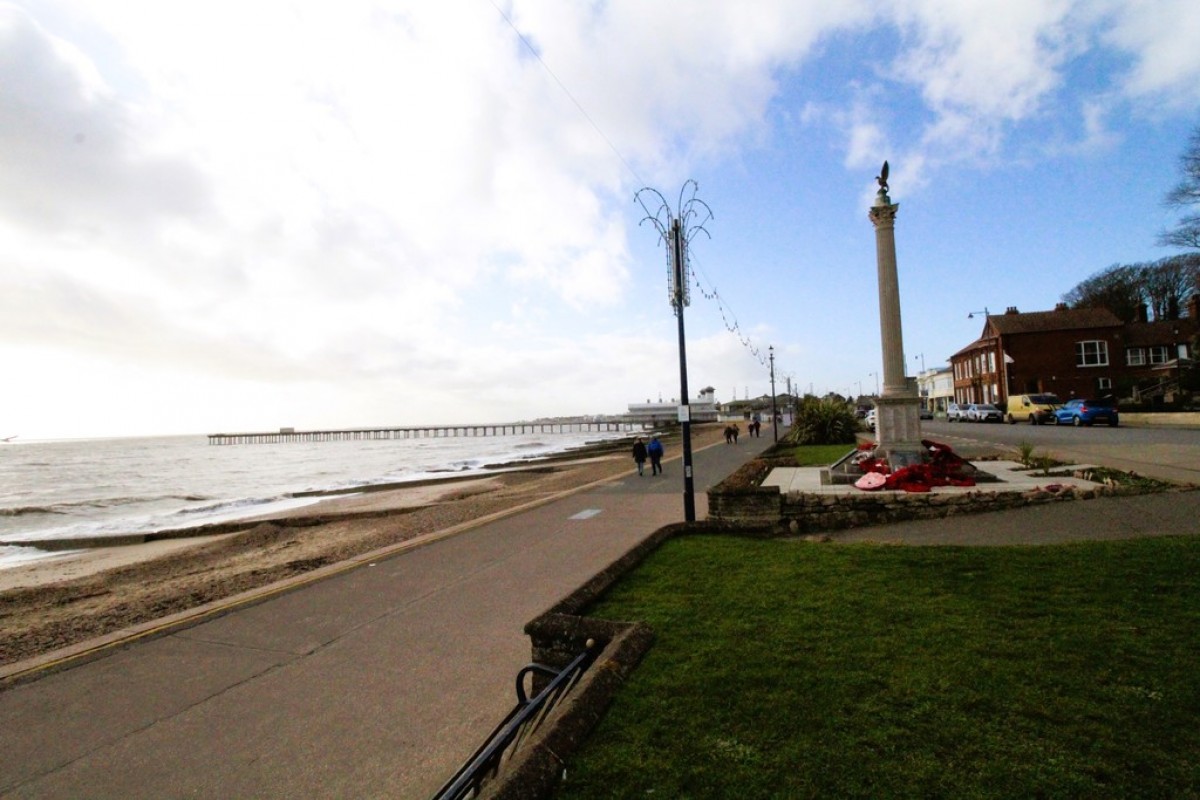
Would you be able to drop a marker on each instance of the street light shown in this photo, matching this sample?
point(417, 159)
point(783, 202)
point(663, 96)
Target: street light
point(922, 357)
point(876, 374)
point(676, 231)
point(985, 312)
point(774, 410)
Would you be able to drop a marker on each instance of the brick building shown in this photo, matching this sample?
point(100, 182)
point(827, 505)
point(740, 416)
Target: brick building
point(1071, 352)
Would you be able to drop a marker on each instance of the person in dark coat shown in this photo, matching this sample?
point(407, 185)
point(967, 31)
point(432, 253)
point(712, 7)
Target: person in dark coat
point(655, 451)
point(639, 454)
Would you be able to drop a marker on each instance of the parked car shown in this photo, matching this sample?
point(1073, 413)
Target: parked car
point(1087, 412)
point(870, 419)
point(926, 413)
point(956, 413)
point(983, 412)
point(1032, 408)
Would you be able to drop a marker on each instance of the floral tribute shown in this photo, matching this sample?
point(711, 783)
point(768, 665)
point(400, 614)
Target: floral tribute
point(941, 467)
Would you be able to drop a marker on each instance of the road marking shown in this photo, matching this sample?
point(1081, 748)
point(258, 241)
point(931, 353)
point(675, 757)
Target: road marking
point(587, 513)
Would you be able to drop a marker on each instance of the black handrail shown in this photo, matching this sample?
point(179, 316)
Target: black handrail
point(522, 720)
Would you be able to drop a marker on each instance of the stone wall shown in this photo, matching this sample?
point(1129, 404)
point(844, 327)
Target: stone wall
point(799, 513)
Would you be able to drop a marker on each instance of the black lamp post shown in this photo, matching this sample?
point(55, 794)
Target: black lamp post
point(677, 230)
point(774, 410)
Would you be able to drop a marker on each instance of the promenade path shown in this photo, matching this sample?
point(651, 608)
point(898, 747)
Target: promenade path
point(375, 682)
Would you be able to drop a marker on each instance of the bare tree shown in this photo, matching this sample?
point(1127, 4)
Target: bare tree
point(1169, 282)
point(1186, 195)
point(1117, 288)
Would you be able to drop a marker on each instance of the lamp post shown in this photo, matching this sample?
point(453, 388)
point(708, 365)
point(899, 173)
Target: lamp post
point(774, 410)
point(876, 374)
point(922, 357)
point(676, 231)
point(985, 312)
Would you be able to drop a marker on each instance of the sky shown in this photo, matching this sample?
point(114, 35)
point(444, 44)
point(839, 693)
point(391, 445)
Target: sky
point(230, 216)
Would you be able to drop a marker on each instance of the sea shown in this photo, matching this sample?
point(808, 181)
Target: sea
point(63, 489)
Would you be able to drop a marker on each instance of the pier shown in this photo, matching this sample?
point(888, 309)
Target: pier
point(287, 435)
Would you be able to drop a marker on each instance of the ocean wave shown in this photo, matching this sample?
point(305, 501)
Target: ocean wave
point(92, 503)
point(21, 511)
point(226, 506)
point(15, 556)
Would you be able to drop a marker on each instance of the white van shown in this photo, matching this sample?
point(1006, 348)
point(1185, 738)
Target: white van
point(1032, 408)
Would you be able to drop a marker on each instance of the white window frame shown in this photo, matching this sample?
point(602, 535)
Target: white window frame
point(1104, 383)
point(1097, 357)
point(1135, 356)
point(1159, 354)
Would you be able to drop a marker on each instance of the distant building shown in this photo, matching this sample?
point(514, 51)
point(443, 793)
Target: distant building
point(936, 388)
point(1071, 352)
point(703, 408)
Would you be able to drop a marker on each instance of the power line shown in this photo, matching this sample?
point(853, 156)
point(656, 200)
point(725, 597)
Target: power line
point(726, 313)
point(567, 92)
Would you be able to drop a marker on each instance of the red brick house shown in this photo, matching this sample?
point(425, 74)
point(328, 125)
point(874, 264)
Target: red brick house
point(1081, 352)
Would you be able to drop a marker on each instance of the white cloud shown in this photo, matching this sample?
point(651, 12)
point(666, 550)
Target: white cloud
point(1161, 37)
point(401, 198)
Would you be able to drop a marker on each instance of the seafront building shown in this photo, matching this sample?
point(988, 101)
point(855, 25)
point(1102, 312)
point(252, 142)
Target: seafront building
point(702, 408)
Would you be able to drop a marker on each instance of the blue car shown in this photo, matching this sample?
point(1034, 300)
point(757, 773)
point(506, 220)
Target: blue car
point(1086, 412)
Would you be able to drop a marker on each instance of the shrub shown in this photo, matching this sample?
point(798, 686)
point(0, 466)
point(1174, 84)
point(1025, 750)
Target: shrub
point(823, 421)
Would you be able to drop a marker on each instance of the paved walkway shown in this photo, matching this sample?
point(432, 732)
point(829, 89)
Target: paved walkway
point(376, 682)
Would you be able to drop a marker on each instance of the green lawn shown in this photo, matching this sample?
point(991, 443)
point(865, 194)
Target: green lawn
point(820, 455)
point(784, 669)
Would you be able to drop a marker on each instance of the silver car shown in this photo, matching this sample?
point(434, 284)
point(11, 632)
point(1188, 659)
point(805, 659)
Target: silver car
point(956, 413)
point(984, 412)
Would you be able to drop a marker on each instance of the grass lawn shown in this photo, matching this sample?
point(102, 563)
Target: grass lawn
point(787, 669)
point(820, 455)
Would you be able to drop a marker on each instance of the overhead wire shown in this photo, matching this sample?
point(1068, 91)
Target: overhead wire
point(722, 307)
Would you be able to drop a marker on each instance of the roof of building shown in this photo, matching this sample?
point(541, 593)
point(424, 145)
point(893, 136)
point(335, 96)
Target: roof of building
point(1060, 319)
point(981, 343)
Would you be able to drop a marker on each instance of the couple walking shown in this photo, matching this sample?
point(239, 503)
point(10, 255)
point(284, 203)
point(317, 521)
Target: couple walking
point(655, 452)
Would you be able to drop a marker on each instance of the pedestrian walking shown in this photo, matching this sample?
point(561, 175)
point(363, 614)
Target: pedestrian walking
point(639, 454)
point(655, 451)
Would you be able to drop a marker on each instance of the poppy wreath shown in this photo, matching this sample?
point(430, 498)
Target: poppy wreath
point(943, 468)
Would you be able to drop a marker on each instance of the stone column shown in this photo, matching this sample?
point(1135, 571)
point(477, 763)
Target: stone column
point(897, 412)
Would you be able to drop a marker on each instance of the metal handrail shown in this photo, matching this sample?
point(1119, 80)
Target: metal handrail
point(521, 721)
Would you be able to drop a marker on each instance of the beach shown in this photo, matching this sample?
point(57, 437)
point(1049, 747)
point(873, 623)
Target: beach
point(76, 596)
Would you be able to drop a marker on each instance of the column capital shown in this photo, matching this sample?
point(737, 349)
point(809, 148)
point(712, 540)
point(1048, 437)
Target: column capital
point(883, 213)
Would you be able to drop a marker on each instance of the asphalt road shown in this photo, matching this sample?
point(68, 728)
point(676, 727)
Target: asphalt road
point(1171, 454)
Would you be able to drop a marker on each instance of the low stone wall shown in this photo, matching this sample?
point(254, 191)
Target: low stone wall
point(799, 513)
point(557, 636)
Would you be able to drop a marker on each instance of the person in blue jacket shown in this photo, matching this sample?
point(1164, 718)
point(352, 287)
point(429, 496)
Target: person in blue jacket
point(655, 451)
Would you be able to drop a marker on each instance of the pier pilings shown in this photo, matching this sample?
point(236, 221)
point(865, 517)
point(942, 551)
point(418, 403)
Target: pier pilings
point(288, 435)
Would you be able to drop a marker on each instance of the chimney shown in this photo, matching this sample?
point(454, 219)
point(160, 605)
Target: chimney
point(1011, 310)
point(1143, 313)
point(1193, 307)
point(1172, 307)
point(1060, 307)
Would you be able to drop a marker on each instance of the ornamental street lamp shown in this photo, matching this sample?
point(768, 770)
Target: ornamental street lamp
point(676, 229)
point(774, 410)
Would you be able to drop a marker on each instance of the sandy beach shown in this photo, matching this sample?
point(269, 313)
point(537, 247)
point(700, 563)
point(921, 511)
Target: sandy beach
point(55, 602)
